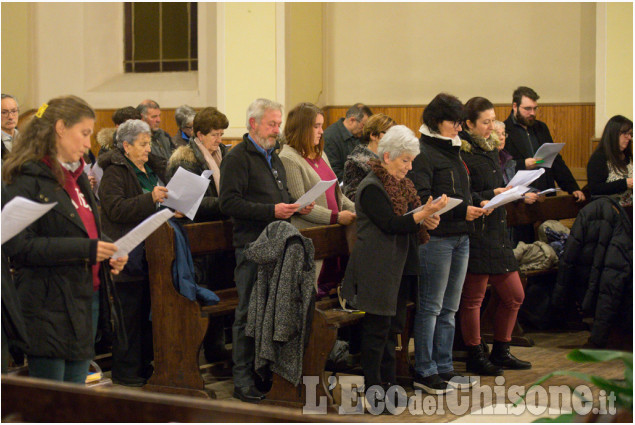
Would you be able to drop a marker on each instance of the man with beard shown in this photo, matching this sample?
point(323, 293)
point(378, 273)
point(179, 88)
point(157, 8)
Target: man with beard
point(253, 192)
point(526, 134)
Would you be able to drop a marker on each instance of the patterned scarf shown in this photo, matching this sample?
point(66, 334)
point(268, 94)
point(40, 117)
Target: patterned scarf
point(402, 193)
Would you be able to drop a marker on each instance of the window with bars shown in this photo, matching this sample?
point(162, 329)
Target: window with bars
point(160, 37)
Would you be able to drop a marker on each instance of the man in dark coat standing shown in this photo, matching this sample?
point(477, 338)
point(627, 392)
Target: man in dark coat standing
point(341, 137)
point(253, 192)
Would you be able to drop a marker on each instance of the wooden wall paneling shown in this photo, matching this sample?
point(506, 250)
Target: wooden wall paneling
point(573, 124)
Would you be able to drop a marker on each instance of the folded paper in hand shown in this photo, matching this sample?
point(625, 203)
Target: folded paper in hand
point(314, 192)
point(511, 195)
point(137, 235)
point(452, 202)
point(526, 177)
point(185, 192)
point(548, 152)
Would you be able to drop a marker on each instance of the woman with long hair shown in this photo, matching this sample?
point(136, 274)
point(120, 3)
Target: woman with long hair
point(610, 168)
point(61, 259)
point(491, 256)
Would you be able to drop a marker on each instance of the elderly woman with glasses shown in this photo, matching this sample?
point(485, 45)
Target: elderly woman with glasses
point(380, 284)
point(130, 192)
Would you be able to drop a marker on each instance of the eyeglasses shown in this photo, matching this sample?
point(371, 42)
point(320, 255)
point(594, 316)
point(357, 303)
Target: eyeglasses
point(7, 112)
point(529, 108)
point(217, 135)
point(275, 176)
point(187, 127)
point(627, 133)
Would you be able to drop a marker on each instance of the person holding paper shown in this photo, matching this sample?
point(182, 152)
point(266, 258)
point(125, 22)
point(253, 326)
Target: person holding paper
point(306, 164)
point(384, 266)
point(525, 136)
point(356, 166)
point(204, 151)
point(436, 171)
point(130, 192)
point(491, 256)
point(61, 259)
point(610, 168)
point(253, 192)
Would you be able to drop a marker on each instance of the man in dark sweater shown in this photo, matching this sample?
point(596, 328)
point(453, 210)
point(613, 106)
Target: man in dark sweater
point(526, 134)
point(162, 145)
point(341, 137)
point(253, 192)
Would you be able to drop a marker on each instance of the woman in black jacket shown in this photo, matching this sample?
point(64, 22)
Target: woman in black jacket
point(129, 193)
point(439, 170)
point(610, 168)
point(491, 257)
point(59, 260)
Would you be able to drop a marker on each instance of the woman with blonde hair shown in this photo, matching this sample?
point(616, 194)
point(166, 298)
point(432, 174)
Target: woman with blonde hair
point(61, 259)
point(357, 165)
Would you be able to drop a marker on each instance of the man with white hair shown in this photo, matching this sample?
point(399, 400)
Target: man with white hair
point(10, 113)
point(253, 192)
point(162, 145)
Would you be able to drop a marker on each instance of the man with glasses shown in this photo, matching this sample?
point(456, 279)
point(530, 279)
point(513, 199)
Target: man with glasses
point(184, 117)
point(10, 113)
point(253, 192)
point(526, 134)
point(341, 137)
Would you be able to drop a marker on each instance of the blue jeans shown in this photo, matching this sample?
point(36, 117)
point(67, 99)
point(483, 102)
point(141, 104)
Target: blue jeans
point(443, 268)
point(60, 369)
point(243, 346)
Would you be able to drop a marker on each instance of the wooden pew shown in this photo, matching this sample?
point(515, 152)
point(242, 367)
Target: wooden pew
point(519, 213)
point(179, 325)
point(27, 399)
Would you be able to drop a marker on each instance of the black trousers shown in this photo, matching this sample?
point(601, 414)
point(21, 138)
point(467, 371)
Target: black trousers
point(379, 339)
point(134, 362)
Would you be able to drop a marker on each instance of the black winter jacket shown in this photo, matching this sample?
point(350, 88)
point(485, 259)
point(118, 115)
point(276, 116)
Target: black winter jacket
point(249, 190)
point(53, 273)
point(519, 145)
point(438, 170)
point(596, 269)
point(490, 247)
point(191, 159)
point(124, 205)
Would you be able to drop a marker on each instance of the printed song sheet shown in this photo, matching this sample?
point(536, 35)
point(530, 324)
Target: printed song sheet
point(547, 152)
point(144, 229)
point(19, 213)
point(314, 192)
point(185, 192)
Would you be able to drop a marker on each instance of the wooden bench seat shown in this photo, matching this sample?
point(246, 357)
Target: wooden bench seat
point(179, 325)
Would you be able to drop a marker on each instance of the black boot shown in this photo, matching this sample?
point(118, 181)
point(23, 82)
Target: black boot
point(478, 363)
point(502, 357)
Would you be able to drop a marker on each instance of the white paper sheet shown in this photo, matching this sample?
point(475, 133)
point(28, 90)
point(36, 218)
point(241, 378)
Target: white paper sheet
point(206, 174)
point(95, 171)
point(185, 192)
point(144, 229)
point(19, 213)
point(314, 192)
point(506, 197)
point(526, 177)
point(452, 202)
point(548, 152)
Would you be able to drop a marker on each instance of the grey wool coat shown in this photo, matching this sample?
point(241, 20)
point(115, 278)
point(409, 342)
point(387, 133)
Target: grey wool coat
point(282, 299)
